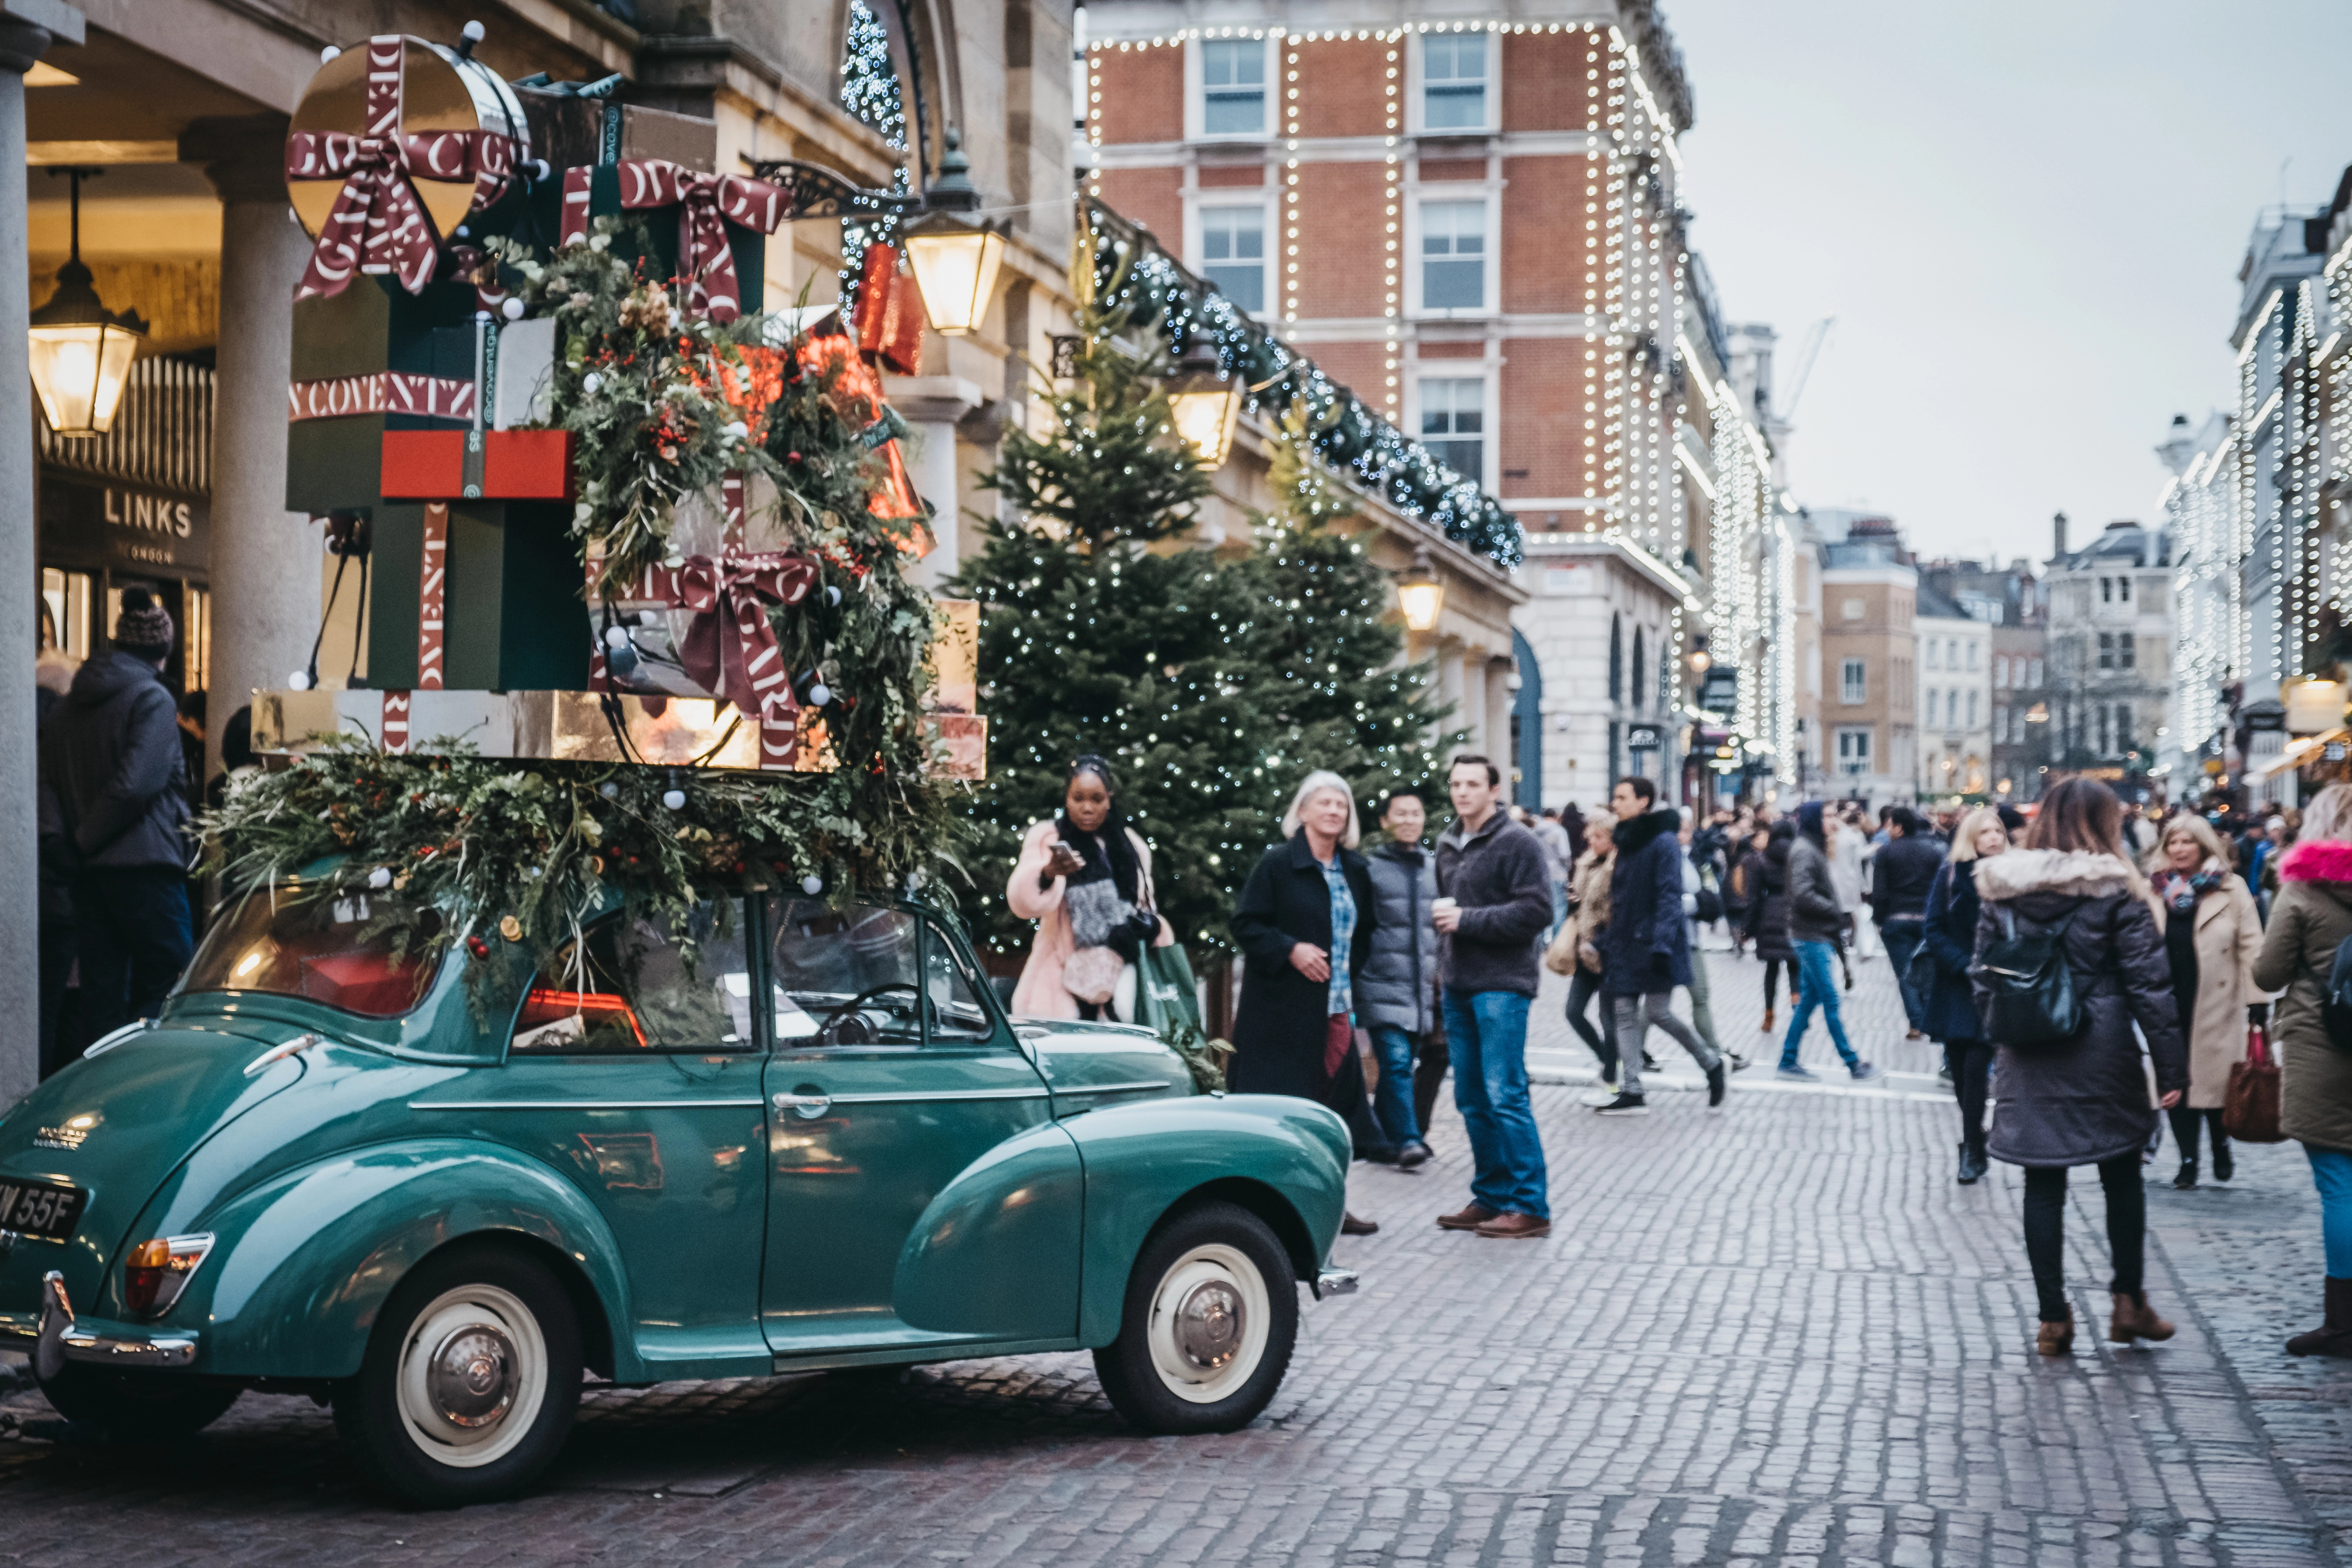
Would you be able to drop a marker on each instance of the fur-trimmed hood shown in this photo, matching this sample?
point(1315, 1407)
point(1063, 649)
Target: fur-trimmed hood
point(2317, 860)
point(1632, 837)
point(2068, 873)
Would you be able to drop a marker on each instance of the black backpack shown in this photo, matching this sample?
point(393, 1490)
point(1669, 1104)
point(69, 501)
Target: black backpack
point(2336, 1002)
point(2031, 997)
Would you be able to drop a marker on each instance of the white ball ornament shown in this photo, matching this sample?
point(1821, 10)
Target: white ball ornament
point(609, 790)
point(820, 694)
point(589, 383)
point(617, 636)
point(300, 680)
point(674, 799)
point(811, 884)
point(329, 53)
point(380, 878)
point(511, 310)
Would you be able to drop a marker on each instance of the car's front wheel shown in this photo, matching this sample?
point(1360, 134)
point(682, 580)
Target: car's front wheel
point(471, 1379)
point(1211, 1314)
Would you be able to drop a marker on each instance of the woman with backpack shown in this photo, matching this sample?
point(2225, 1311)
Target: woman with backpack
point(2068, 958)
point(1948, 936)
point(2310, 921)
point(2211, 931)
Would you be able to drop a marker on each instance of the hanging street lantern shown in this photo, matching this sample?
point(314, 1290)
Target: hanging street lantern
point(955, 260)
point(81, 352)
point(1420, 593)
point(1205, 403)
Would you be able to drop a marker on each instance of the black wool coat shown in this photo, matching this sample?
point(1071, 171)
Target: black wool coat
point(1951, 933)
point(1768, 901)
point(1278, 1030)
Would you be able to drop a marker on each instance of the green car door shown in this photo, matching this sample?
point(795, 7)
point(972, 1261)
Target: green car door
point(634, 1069)
point(892, 1076)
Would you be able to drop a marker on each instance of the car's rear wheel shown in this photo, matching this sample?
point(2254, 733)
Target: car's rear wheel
point(1211, 1317)
point(131, 1404)
point(471, 1379)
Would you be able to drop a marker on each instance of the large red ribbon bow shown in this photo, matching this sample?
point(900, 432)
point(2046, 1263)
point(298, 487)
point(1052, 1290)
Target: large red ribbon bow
point(747, 668)
point(377, 224)
point(706, 205)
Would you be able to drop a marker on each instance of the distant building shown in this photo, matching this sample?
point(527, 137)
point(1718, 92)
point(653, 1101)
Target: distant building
point(2200, 510)
point(1955, 707)
point(1869, 706)
point(2111, 654)
point(2010, 599)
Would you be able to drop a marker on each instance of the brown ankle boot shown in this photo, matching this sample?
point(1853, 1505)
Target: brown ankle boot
point(2333, 1337)
point(2056, 1339)
point(1768, 1021)
point(2134, 1318)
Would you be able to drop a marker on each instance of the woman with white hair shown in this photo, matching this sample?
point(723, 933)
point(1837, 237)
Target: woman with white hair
point(1304, 924)
point(2212, 933)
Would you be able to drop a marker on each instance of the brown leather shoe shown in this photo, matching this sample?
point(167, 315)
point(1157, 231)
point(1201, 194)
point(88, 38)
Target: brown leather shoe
point(2134, 1320)
point(1515, 1227)
point(2056, 1339)
point(1470, 1218)
point(1350, 1226)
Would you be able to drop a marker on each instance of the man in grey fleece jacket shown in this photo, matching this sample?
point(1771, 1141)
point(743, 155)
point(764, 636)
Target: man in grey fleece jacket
point(1493, 871)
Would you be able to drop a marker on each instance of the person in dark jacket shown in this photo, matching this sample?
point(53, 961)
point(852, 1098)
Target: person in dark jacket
point(1767, 869)
point(1305, 924)
point(1949, 930)
point(2083, 1101)
point(113, 805)
point(60, 1038)
point(1646, 951)
point(1817, 922)
point(1396, 989)
point(1901, 872)
point(1494, 901)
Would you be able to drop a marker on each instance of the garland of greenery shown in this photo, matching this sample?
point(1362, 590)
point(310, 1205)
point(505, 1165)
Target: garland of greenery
point(663, 405)
point(1138, 287)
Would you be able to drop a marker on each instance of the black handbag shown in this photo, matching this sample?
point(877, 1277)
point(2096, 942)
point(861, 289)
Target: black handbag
point(2030, 997)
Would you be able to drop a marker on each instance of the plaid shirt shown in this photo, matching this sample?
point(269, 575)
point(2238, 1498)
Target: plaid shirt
point(1343, 937)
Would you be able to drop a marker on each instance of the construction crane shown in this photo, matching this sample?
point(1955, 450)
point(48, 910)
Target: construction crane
point(1813, 341)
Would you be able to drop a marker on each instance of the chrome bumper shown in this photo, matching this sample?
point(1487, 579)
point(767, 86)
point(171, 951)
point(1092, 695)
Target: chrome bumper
point(1335, 1283)
point(60, 1339)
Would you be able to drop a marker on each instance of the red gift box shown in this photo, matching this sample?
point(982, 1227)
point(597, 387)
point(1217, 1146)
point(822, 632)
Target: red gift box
point(512, 465)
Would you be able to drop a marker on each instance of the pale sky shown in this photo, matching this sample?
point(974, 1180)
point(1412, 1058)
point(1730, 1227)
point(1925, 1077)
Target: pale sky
point(2028, 220)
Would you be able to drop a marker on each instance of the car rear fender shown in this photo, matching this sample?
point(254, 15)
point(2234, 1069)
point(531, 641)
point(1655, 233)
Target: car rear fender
point(301, 1264)
point(1286, 1159)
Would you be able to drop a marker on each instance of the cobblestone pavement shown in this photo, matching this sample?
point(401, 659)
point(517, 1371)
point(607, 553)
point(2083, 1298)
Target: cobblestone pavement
point(1778, 1334)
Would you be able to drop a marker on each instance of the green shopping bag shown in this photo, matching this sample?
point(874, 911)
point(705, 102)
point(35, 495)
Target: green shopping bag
point(1167, 1001)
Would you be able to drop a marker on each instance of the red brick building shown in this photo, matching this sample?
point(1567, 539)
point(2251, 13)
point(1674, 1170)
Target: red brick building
point(1471, 219)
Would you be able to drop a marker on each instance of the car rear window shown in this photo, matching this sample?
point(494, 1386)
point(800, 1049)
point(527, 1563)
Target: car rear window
point(364, 953)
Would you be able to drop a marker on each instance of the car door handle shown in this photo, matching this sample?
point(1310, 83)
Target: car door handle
point(809, 1106)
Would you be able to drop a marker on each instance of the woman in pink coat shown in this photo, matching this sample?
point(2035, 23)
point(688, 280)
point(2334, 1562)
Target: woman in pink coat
point(1085, 877)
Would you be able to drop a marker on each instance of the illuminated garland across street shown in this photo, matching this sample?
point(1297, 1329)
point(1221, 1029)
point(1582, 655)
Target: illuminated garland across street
point(1144, 289)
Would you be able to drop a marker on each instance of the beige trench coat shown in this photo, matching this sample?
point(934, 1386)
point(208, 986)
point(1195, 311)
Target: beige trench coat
point(2229, 936)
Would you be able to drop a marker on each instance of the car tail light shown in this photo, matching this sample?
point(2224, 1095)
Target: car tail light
point(159, 1270)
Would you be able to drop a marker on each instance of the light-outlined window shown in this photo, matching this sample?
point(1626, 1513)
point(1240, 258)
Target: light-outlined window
point(1233, 87)
point(1854, 682)
point(1853, 750)
point(1454, 422)
point(1454, 255)
point(1232, 253)
point(1454, 88)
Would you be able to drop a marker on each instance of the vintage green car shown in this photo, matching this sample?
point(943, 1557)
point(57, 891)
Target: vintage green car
point(335, 1166)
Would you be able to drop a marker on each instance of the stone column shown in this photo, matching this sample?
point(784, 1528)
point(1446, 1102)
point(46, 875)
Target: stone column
point(265, 559)
point(1449, 693)
point(932, 405)
point(26, 33)
point(1498, 717)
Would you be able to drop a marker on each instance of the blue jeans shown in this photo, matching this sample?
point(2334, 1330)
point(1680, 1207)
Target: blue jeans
point(1393, 1100)
point(1816, 987)
point(1903, 939)
point(1559, 909)
point(1486, 1033)
point(2331, 1173)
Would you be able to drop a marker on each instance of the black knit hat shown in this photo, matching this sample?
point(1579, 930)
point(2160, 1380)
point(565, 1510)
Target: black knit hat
point(144, 628)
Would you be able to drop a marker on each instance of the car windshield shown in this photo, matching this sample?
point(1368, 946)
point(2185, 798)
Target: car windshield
point(365, 953)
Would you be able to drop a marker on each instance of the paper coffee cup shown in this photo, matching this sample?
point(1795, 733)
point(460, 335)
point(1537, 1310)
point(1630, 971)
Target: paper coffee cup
point(1437, 904)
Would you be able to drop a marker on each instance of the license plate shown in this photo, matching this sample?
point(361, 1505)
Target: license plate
point(37, 1208)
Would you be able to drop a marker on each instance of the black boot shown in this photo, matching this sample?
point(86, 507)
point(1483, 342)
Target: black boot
point(1972, 1165)
point(2333, 1337)
point(2187, 1176)
point(2224, 1165)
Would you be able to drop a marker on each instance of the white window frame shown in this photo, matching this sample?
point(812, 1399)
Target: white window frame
point(1470, 370)
point(1418, 195)
point(1196, 240)
point(1417, 88)
point(1196, 101)
point(1976, 656)
point(1931, 654)
point(1972, 708)
point(1845, 764)
point(1853, 676)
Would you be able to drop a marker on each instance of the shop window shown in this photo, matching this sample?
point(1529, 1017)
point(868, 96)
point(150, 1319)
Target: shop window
point(1454, 81)
point(1233, 87)
point(1232, 253)
point(1853, 683)
point(1453, 256)
point(197, 638)
point(65, 611)
point(628, 985)
point(1454, 422)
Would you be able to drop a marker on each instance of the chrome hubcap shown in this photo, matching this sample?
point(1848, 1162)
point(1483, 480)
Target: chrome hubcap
point(1209, 1325)
point(471, 1376)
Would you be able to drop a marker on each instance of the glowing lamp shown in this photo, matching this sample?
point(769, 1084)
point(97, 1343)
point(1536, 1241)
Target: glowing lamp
point(955, 260)
point(1204, 403)
point(1420, 593)
point(80, 351)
